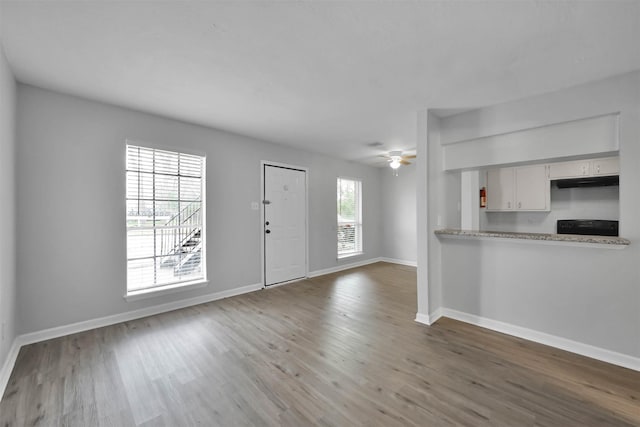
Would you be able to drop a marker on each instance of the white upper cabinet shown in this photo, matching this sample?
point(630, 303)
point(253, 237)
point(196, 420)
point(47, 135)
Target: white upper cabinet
point(570, 169)
point(500, 189)
point(527, 188)
point(518, 189)
point(608, 166)
point(532, 188)
point(581, 168)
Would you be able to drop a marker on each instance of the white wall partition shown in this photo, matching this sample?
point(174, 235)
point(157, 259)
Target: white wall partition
point(588, 136)
point(586, 299)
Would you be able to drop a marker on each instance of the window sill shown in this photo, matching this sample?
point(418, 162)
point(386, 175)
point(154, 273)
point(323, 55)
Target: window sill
point(350, 254)
point(165, 290)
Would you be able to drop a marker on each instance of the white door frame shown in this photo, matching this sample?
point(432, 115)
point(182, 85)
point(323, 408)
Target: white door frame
point(264, 163)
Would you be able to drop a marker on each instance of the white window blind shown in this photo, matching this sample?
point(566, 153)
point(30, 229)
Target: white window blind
point(165, 221)
point(349, 217)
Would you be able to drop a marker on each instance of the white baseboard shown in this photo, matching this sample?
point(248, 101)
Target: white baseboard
point(86, 325)
point(423, 318)
point(433, 317)
point(8, 365)
point(342, 267)
point(400, 261)
point(288, 282)
point(587, 350)
point(338, 268)
point(429, 319)
point(100, 322)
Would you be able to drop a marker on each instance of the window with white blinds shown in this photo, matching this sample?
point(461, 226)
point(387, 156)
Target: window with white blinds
point(165, 218)
point(349, 217)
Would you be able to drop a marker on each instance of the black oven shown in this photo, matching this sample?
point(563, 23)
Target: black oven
point(590, 227)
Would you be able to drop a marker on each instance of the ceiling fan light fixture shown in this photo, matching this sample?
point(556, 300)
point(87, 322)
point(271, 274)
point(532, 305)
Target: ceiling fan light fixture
point(395, 162)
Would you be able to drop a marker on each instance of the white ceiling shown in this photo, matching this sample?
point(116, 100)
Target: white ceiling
point(324, 76)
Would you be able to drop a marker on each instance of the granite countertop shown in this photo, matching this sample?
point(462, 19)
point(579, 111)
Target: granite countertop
point(572, 238)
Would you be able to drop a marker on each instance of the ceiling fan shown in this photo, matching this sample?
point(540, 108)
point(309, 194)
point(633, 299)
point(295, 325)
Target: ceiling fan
point(395, 159)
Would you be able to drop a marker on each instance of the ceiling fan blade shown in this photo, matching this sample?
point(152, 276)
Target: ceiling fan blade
point(384, 156)
point(412, 156)
point(404, 162)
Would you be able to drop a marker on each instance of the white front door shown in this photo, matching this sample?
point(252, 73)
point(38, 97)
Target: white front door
point(285, 230)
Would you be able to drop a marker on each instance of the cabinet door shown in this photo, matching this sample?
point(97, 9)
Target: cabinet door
point(500, 189)
point(569, 169)
point(609, 166)
point(532, 188)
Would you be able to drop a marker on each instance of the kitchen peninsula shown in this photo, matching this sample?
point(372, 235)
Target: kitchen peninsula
point(503, 266)
point(601, 241)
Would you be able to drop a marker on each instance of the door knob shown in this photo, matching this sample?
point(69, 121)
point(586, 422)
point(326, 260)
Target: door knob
point(267, 231)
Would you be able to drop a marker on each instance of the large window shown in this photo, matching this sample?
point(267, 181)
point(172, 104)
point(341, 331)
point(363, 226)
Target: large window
point(349, 217)
point(165, 219)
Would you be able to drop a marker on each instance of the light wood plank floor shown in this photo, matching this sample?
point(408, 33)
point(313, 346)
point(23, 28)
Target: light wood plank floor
point(341, 349)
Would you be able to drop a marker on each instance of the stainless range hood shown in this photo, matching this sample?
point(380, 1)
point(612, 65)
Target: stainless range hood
point(592, 181)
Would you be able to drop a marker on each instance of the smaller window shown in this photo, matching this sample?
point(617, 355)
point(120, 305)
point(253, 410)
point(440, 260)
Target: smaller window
point(349, 217)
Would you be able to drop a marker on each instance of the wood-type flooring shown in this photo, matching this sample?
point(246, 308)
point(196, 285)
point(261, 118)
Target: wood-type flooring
point(337, 350)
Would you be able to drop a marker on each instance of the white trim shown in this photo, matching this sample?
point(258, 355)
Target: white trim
point(264, 163)
point(283, 165)
point(287, 282)
point(587, 350)
point(100, 322)
point(164, 290)
point(429, 319)
point(165, 147)
point(168, 288)
point(342, 267)
point(400, 261)
point(351, 265)
point(435, 316)
point(9, 363)
point(350, 178)
point(349, 255)
point(423, 318)
point(423, 204)
point(357, 223)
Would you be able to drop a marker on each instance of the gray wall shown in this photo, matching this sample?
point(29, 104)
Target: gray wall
point(71, 214)
point(399, 214)
point(7, 206)
point(585, 294)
